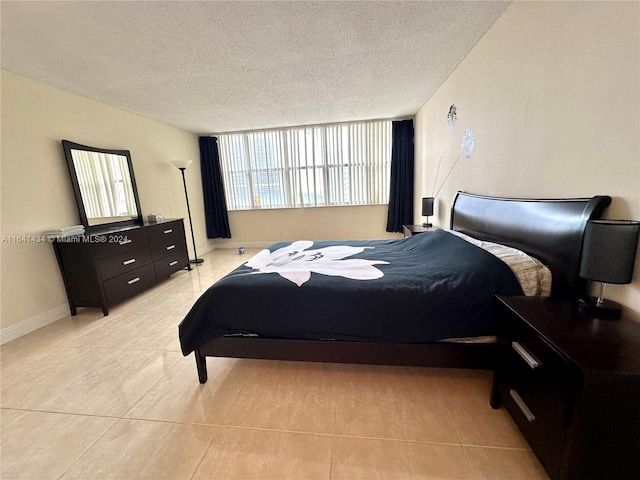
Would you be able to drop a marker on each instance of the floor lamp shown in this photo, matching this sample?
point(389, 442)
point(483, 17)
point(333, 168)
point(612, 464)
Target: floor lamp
point(182, 166)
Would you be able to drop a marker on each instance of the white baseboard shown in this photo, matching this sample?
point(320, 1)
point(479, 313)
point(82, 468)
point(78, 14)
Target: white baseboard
point(202, 250)
point(244, 244)
point(34, 323)
point(43, 319)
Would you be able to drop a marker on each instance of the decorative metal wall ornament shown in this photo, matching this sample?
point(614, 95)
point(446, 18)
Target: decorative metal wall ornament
point(452, 116)
point(468, 142)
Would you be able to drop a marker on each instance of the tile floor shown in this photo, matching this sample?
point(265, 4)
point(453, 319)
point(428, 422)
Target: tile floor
point(93, 397)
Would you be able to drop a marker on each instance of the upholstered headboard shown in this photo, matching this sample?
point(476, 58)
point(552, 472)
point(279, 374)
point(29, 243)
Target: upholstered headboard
point(549, 229)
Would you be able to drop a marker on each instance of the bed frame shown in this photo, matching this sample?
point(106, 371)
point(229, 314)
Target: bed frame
point(549, 229)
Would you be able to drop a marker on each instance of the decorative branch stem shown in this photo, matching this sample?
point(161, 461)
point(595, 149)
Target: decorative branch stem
point(445, 178)
point(444, 145)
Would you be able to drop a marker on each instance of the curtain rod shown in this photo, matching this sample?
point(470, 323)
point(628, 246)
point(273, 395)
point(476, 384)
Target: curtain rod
point(305, 126)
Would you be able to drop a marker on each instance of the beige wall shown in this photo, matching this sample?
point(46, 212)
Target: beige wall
point(552, 94)
point(259, 228)
point(37, 193)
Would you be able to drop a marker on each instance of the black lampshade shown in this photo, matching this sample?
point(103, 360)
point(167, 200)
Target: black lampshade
point(427, 206)
point(609, 250)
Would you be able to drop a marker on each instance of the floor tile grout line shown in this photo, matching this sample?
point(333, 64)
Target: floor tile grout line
point(160, 377)
point(52, 412)
point(494, 447)
point(448, 410)
point(262, 429)
point(90, 446)
point(466, 455)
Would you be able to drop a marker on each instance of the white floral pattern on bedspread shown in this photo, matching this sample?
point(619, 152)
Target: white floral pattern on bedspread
point(295, 263)
point(535, 278)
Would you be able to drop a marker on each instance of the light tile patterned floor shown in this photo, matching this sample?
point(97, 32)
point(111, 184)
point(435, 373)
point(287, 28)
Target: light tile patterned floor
point(93, 397)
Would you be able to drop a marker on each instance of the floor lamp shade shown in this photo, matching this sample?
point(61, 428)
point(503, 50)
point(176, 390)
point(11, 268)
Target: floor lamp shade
point(608, 255)
point(181, 164)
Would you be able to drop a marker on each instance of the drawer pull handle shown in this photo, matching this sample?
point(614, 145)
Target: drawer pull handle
point(124, 242)
point(523, 406)
point(171, 247)
point(129, 262)
point(526, 356)
point(173, 263)
point(133, 280)
point(168, 231)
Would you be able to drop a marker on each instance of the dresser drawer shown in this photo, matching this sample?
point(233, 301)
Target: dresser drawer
point(123, 262)
point(107, 244)
point(128, 284)
point(166, 233)
point(160, 251)
point(171, 264)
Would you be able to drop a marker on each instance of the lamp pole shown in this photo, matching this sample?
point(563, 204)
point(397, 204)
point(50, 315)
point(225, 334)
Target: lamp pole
point(193, 238)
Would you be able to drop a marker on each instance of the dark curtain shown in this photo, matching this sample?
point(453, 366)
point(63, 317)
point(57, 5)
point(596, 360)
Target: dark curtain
point(401, 191)
point(215, 204)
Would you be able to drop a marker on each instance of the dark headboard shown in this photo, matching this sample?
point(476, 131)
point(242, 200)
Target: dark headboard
point(551, 230)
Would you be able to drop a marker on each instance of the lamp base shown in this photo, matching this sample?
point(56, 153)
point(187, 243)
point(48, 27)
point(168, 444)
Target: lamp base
point(427, 225)
point(197, 261)
point(607, 309)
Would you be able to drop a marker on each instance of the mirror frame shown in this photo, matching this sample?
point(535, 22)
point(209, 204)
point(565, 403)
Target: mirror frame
point(68, 147)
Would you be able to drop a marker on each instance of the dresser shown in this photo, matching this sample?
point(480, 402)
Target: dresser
point(572, 385)
point(112, 264)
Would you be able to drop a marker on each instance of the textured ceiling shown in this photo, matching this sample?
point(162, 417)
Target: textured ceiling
point(213, 66)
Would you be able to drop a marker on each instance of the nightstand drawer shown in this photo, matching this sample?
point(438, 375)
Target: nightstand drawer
point(535, 388)
point(538, 401)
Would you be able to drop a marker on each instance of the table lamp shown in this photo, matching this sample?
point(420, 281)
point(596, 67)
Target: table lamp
point(608, 255)
point(427, 210)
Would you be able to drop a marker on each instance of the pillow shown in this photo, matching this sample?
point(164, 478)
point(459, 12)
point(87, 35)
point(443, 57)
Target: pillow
point(534, 277)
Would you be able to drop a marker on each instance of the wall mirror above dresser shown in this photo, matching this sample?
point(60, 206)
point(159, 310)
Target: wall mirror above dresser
point(103, 184)
point(121, 255)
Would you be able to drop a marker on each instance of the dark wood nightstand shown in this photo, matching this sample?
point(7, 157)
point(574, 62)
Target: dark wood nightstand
point(409, 230)
point(572, 385)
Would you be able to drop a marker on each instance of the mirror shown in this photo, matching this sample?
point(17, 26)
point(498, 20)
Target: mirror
point(103, 184)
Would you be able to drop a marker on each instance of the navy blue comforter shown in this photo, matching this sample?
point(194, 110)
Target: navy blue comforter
point(422, 289)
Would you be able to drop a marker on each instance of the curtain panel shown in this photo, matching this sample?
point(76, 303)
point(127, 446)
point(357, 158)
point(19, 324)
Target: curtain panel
point(215, 205)
point(402, 172)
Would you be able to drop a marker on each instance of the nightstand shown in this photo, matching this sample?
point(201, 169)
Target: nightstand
point(409, 230)
point(572, 385)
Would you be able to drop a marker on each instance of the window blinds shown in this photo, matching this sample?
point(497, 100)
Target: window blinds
point(340, 164)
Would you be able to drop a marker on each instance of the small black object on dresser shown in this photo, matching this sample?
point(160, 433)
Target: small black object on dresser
point(572, 385)
point(111, 264)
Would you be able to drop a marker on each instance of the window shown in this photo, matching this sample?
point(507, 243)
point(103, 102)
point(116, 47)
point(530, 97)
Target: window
point(344, 164)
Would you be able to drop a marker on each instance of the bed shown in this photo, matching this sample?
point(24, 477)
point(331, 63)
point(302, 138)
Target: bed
point(422, 301)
